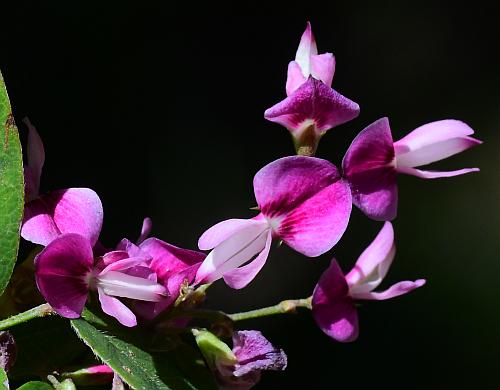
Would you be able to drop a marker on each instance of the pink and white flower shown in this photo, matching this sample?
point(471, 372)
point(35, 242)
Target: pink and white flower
point(334, 298)
point(302, 201)
point(373, 161)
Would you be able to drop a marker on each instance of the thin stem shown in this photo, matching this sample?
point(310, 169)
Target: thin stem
point(36, 312)
point(288, 306)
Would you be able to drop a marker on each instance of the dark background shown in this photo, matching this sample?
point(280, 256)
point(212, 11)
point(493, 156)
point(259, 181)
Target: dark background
point(160, 110)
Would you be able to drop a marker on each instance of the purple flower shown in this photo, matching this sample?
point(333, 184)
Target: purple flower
point(302, 201)
point(149, 275)
point(333, 301)
point(240, 368)
point(73, 210)
point(312, 106)
point(8, 350)
point(373, 160)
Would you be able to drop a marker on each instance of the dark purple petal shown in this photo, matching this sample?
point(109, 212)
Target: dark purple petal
point(255, 352)
point(74, 210)
point(332, 307)
point(313, 103)
point(286, 183)
point(369, 167)
point(315, 226)
point(62, 270)
point(168, 259)
point(8, 350)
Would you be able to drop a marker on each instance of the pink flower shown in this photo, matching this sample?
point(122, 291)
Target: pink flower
point(373, 161)
point(73, 210)
point(149, 275)
point(303, 202)
point(312, 106)
point(333, 301)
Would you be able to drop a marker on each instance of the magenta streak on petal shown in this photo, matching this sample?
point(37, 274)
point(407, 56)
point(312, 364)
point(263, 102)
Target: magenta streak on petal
point(369, 168)
point(395, 290)
point(167, 259)
point(315, 226)
point(62, 270)
point(100, 369)
point(332, 307)
point(240, 277)
point(373, 264)
point(113, 307)
point(284, 184)
point(436, 174)
point(313, 102)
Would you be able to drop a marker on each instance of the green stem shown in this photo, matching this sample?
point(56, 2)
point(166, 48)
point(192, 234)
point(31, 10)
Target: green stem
point(36, 312)
point(288, 306)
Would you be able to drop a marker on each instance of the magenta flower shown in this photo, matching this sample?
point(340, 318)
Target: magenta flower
point(333, 301)
point(149, 276)
point(302, 201)
point(373, 161)
point(312, 106)
point(240, 368)
point(73, 210)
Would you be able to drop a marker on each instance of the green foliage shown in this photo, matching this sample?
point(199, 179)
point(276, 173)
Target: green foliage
point(3, 379)
point(36, 385)
point(143, 360)
point(11, 188)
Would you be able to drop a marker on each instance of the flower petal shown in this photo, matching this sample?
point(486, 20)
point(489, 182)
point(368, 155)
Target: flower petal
point(295, 78)
point(369, 167)
point(255, 352)
point(74, 210)
point(284, 184)
point(395, 290)
point(147, 226)
point(332, 307)
point(222, 231)
point(373, 264)
point(233, 252)
point(433, 142)
point(61, 272)
point(315, 226)
point(240, 277)
point(167, 259)
point(435, 174)
point(36, 157)
point(323, 67)
point(113, 307)
point(313, 103)
point(307, 48)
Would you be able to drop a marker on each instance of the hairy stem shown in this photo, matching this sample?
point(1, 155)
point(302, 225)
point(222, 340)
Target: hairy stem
point(288, 306)
point(36, 312)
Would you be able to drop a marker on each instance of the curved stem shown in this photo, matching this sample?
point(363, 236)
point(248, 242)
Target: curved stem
point(36, 312)
point(287, 306)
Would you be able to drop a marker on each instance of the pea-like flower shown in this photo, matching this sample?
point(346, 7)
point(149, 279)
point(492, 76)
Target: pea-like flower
point(240, 368)
point(47, 216)
point(312, 106)
point(334, 298)
point(302, 201)
point(149, 276)
point(373, 161)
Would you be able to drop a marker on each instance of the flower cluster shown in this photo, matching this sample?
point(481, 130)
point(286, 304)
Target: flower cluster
point(303, 201)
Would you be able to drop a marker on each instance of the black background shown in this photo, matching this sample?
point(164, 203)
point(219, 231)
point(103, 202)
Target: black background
point(159, 108)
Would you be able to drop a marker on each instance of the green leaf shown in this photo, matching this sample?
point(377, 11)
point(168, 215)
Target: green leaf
point(3, 379)
point(141, 369)
point(36, 385)
point(11, 188)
